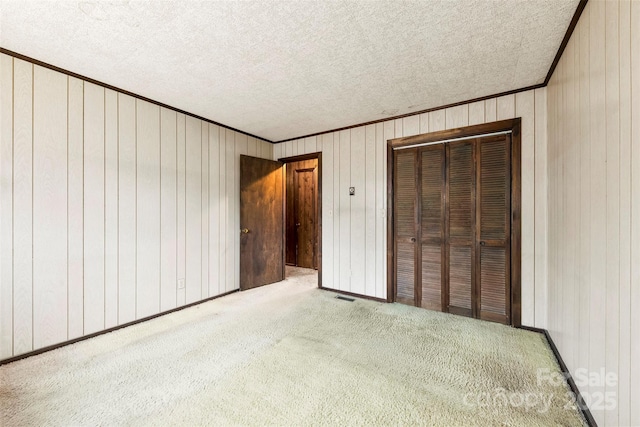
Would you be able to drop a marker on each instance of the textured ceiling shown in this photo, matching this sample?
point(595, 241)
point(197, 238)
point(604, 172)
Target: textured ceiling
point(282, 69)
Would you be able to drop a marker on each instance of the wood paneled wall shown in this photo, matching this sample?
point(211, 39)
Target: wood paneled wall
point(354, 227)
point(594, 204)
point(105, 202)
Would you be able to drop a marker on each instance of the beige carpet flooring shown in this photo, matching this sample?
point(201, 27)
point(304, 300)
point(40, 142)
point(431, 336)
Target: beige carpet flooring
point(291, 354)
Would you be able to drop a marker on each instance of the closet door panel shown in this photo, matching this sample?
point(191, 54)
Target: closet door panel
point(405, 225)
point(494, 206)
point(432, 221)
point(461, 200)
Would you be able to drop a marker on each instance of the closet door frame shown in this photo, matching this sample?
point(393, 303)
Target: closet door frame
point(512, 125)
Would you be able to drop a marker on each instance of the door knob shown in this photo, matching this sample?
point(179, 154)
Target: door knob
point(245, 231)
point(413, 239)
point(482, 243)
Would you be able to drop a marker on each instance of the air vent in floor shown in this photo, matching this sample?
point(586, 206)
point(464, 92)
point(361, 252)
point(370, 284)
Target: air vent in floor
point(345, 298)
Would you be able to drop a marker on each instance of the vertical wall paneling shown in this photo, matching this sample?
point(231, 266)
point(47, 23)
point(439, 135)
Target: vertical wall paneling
point(93, 208)
point(223, 234)
point(370, 208)
point(336, 211)
point(593, 144)
point(267, 150)
point(328, 278)
point(411, 125)
point(126, 209)
point(22, 204)
point(277, 151)
point(6, 206)
point(540, 206)
point(193, 210)
point(570, 201)
point(230, 232)
point(148, 209)
point(634, 327)
point(551, 101)
point(525, 108)
point(109, 204)
point(214, 210)
point(388, 133)
point(490, 110)
point(424, 123)
point(457, 117)
point(399, 131)
point(624, 349)
point(380, 206)
point(584, 275)
point(357, 211)
point(505, 107)
point(205, 210)
point(182, 206)
point(437, 121)
point(612, 111)
point(168, 209)
point(49, 207)
point(344, 216)
point(598, 230)
point(310, 145)
point(111, 208)
point(252, 147)
point(476, 113)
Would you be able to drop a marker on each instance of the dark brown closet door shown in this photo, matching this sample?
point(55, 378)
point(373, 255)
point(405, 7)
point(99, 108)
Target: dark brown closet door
point(432, 225)
point(452, 213)
point(493, 230)
point(461, 209)
point(405, 226)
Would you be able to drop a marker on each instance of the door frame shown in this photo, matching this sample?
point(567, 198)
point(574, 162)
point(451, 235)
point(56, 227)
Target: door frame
point(310, 156)
point(446, 136)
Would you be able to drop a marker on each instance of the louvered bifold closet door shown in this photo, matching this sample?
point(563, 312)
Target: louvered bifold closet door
point(405, 226)
point(432, 224)
point(460, 231)
point(494, 229)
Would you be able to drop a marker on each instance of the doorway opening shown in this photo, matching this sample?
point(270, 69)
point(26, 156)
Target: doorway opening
point(263, 231)
point(303, 213)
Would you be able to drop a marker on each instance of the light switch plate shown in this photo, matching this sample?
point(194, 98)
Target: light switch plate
point(180, 283)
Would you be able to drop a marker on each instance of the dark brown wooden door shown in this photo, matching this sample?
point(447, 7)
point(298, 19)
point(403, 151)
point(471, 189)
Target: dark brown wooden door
point(305, 217)
point(455, 200)
point(302, 213)
point(261, 222)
